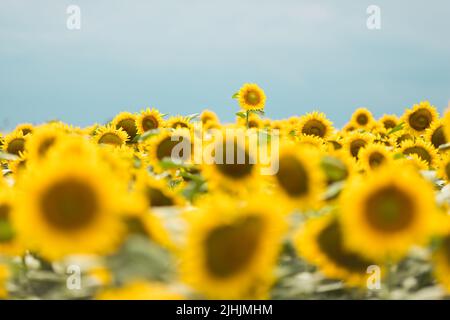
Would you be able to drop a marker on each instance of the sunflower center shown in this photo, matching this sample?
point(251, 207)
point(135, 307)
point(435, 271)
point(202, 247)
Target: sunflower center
point(376, 159)
point(157, 198)
point(389, 124)
point(235, 169)
point(362, 119)
point(231, 248)
point(421, 152)
point(16, 146)
point(389, 209)
point(330, 241)
point(45, 145)
point(6, 230)
point(314, 128)
point(149, 123)
point(420, 119)
point(69, 205)
point(438, 137)
point(292, 176)
point(252, 98)
point(356, 145)
point(129, 126)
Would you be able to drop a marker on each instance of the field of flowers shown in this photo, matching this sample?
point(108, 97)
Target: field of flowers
point(119, 211)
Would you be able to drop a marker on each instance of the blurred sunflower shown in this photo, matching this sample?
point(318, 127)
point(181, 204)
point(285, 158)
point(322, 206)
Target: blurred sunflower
point(362, 118)
point(435, 134)
point(42, 139)
point(4, 276)
point(25, 128)
point(127, 122)
point(141, 290)
point(68, 207)
point(251, 97)
point(389, 121)
point(14, 143)
point(424, 150)
point(178, 122)
point(208, 116)
point(9, 245)
point(156, 192)
point(149, 119)
point(441, 261)
point(373, 156)
point(311, 141)
point(385, 213)
point(110, 135)
point(418, 119)
point(232, 248)
point(321, 243)
point(315, 124)
point(443, 168)
point(354, 141)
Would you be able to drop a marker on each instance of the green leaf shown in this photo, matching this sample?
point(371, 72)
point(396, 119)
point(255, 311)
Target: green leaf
point(235, 96)
point(241, 114)
point(396, 128)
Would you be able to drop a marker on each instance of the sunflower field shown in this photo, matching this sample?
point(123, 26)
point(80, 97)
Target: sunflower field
point(107, 212)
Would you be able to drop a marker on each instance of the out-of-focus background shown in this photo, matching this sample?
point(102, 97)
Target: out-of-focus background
point(184, 56)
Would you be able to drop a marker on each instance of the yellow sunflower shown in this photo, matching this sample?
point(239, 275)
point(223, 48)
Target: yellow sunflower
point(388, 121)
point(42, 139)
point(14, 143)
point(127, 122)
point(435, 134)
point(9, 245)
point(354, 141)
point(424, 150)
point(68, 207)
point(141, 290)
point(208, 116)
point(156, 192)
point(362, 118)
point(251, 97)
point(232, 248)
point(315, 124)
point(110, 135)
point(401, 136)
point(441, 262)
point(373, 156)
point(300, 179)
point(178, 122)
point(25, 128)
point(443, 168)
point(385, 213)
point(311, 141)
point(418, 119)
point(321, 243)
point(4, 276)
point(149, 119)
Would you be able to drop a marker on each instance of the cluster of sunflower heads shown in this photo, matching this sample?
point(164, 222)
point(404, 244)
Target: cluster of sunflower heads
point(149, 206)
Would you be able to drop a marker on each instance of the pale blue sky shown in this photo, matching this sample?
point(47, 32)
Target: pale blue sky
point(182, 56)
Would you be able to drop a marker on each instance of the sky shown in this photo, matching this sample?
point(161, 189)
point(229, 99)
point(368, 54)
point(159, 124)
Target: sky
point(184, 56)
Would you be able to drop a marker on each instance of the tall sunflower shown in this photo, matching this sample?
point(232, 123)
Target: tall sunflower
point(68, 207)
point(315, 124)
point(418, 119)
point(149, 119)
point(251, 97)
point(232, 248)
point(321, 243)
point(385, 213)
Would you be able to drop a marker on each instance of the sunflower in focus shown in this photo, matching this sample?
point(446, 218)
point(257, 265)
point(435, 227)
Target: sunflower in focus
point(231, 249)
point(14, 143)
point(373, 156)
point(418, 119)
point(388, 121)
point(362, 118)
point(321, 243)
point(435, 134)
point(251, 97)
point(110, 135)
point(149, 119)
point(354, 141)
point(68, 207)
point(385, 213)
point(424, 150)
point(315, 124)
point(141, 290)
point(127, 122)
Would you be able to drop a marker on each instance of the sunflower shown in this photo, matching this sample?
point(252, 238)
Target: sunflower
point(418, 119)
point(141, 290)
point(373, 156)
point(208, 116)
point(362, 118)
point(311, 141)
point(156, 192)
point(354, 141)
point(42, 139)
point(413, 161)
point(68, 207)
point(444, 167)
point(424, 150)
point(232, 248)
point(149, 119)
point(178, 122)
point(401, 136)
point(388, 121)
point(25, 128)
point(251, 97)
point(9, 245)
point(127, 122)
point(321, 243)
point(175, 145)
point(110, 135)
point(338, 166)
point(385, 213)
point(4, 276)
point(299, 178)
point(435, 134)
point(14, 143)
point(315, 124)
point(441, 259)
